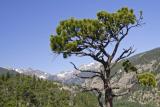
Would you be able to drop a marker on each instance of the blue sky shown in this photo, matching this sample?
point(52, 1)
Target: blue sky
point(26, 25)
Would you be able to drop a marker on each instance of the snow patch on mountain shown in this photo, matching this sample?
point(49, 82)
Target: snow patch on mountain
point(32, 72)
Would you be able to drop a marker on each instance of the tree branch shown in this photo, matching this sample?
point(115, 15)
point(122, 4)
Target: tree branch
point(89, 71)
point(126, 53)
point(88, 77)
point(97, 74)
point(121, 94)
point(118, 42)
point(138, 22)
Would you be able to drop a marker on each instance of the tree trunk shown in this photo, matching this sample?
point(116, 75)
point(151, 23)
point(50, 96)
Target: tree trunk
point(108, 98)
point(109, 103)
point(100, 101)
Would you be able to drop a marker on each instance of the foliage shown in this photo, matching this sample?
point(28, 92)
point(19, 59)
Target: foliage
point(75, 35)
point(85, 100)
point(128, 66)
point(147, 79)
point(26, 91)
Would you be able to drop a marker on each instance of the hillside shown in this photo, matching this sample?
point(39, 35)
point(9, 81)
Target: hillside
point(146, 61)
point(5, 71)
point(27, 91)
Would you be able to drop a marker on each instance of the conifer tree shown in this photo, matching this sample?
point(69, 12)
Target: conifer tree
point(99, 39)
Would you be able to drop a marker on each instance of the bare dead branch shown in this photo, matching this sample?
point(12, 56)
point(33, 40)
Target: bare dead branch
point(89, 71)
point(95, 73)
point(88, 77)
point(82, 53)
point(126, 53)
point(138, 22)
point(121, 94)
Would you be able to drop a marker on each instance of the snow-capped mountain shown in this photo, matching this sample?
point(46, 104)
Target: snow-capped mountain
point(68, 77)
point(91, 66)
point(32, 72)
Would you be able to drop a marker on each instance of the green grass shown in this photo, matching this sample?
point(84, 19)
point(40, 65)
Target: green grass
point(124, 103)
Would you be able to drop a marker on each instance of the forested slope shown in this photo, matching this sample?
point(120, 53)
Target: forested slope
point(26, 91)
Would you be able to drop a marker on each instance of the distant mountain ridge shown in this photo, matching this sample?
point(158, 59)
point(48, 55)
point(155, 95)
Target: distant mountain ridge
point(149, 60)
point(32, 72)
point(5, 71)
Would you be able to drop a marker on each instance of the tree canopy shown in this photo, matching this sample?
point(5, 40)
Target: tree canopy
point(82, 36)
